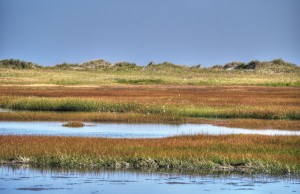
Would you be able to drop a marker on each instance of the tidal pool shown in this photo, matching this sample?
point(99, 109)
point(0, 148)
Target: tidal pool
point(113, 130)
point(30, 180)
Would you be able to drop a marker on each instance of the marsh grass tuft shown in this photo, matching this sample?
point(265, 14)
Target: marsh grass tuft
point(73, 124)
point(140, 81)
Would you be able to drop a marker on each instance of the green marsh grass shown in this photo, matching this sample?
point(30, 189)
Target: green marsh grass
point(72, 104)
point(67, 104)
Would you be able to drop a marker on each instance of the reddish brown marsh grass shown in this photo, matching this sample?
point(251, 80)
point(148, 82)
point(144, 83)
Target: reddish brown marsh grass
point(232, 101)
point(250, 123)
point(282, 150)
point(213, 96)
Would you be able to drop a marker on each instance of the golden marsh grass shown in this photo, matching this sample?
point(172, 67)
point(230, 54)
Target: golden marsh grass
point(270, 153)
point(182, 76)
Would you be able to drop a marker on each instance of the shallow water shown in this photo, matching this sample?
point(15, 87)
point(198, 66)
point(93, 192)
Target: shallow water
point(113, 130)
point(4, 110)
point(29, 180)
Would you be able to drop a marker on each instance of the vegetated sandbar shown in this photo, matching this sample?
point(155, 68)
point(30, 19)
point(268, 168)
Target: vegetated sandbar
point(282, 124)
point(243, 153)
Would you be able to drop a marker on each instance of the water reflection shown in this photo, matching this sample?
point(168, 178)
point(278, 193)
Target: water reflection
point(25, 179)
point(4, 110)
point(116, 130)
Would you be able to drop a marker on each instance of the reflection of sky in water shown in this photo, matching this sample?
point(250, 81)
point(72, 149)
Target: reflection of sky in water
point(126, 130)
point(3, 110)
point(22, 180)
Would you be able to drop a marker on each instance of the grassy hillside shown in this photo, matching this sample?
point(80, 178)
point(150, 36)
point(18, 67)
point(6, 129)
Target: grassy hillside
point(100, 72)
point(18, 64)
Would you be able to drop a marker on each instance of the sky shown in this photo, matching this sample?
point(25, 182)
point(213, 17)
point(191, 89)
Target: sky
point(186, 32)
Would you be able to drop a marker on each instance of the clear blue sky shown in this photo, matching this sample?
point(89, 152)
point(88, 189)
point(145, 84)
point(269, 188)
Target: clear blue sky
point(186, 32)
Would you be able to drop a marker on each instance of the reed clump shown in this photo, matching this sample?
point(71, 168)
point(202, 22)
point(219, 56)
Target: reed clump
point(73, 124)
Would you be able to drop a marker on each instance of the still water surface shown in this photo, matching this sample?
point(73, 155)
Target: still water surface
point(113, 130)
point(30, 180)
